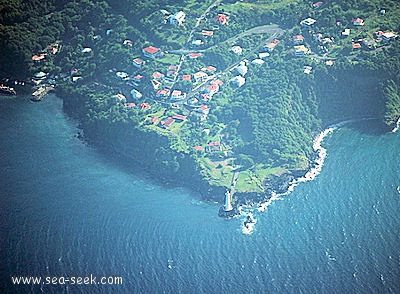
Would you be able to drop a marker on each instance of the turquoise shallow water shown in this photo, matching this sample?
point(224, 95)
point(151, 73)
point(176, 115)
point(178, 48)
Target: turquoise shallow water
point(68, 210)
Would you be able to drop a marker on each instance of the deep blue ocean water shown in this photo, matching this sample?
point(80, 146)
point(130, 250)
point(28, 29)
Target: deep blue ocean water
point(67, 210)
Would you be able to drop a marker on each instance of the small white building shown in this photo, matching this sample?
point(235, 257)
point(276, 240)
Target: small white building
point(346, 33)
point(257, 61)
point(136, 94)
point(86, 50)
point(308, 22)
point(177, 19)
point(197, 42)
point(238, 81)
point(237, 50)
point(263, 54)
point(122, 75)
point(242, 70)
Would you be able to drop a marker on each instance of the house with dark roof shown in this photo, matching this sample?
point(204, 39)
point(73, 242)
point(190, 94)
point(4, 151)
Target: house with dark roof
point(156, 84)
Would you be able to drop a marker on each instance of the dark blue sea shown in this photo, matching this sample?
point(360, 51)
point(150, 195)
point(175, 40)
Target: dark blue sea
point(67, 211)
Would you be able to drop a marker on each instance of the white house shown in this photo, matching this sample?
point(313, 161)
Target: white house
point(177, 95)
point(307, 22)
point(257, 61)
point(177, 19)
point(136, 94)
point(237, 49)
point(200, 77)
point(238, 81)
point(242, 69)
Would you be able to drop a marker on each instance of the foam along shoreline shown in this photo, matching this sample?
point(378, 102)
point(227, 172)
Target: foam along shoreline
point(313, 171)
point(316, 166)
point(397, 126)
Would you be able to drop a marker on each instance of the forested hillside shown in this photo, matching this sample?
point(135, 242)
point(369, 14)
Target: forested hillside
point(275, 73)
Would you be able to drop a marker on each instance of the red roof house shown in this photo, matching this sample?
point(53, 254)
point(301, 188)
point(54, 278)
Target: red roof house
point(179, 117)
point(167, 123)
point(298, 39)
point(138, 78)
point(198, 148)
point(210, 68)
point(222, 19)
point(318, 4)
point(212, 89)
point(207, 33)
point(137, 62)
point(194, 55)
point(158, 75)
point(217, 82)
point(151, 52)
point(163, 93)
point(358, 22)
point(144, 106)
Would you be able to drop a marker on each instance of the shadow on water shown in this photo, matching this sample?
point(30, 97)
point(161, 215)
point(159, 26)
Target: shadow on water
point(371, 127)
point(134, 167)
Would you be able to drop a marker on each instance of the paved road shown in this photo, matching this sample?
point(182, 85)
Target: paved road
point(270, 29)
point(277, 32)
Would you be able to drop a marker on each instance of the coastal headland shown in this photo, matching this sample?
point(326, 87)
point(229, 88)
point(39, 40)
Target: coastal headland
point(218, 96)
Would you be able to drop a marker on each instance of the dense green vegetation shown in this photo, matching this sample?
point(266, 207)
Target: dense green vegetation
point(262, 128)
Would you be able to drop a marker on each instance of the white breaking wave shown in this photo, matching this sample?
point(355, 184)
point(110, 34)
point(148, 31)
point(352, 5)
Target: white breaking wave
point(397, 126)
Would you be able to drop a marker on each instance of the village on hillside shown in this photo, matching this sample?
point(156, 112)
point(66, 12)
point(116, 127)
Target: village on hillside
point(173, 87)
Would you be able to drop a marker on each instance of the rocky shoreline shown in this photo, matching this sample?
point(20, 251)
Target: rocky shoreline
point(188, 174)
point(285, 183)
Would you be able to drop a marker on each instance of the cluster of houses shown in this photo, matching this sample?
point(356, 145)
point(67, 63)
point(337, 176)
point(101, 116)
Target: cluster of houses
point(51, 49)
point(176, 19)
point(324, 43)
point(197, 104)
point(220, 19)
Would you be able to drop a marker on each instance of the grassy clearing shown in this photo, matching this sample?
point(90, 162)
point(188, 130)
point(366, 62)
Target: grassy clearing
point(237, 7)
point(168, 59)
point(251, 181)
point(217, 173)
